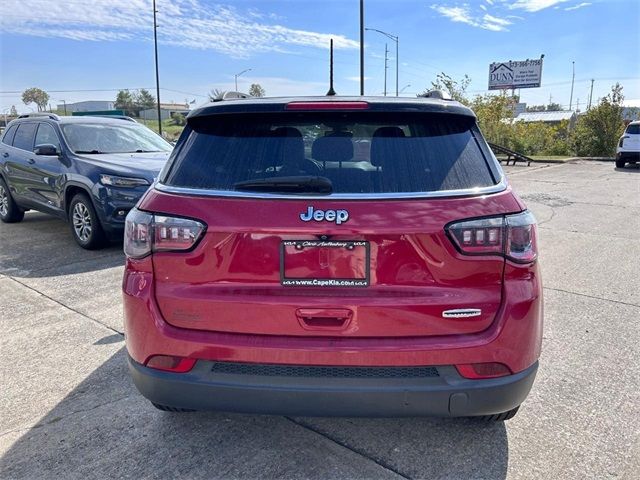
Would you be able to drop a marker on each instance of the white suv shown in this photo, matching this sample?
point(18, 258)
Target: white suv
point(628, 150)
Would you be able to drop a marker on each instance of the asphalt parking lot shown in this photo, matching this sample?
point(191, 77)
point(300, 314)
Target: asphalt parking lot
point(69, 409)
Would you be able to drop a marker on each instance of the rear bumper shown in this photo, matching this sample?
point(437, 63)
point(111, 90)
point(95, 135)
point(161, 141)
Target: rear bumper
point(314, 393)
point(628, 156)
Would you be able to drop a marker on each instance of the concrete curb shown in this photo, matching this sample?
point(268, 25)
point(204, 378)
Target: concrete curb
point(574, 159)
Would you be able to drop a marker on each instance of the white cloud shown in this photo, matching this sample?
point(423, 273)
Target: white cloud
point(185, 23)
point(496, 20)
point(534, 5)
point(576, 7)
point(463, 14)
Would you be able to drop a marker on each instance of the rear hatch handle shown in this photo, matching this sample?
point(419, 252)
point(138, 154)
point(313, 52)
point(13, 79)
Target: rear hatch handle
point(324, 318)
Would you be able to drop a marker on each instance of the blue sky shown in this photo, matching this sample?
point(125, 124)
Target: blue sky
point(69, 46)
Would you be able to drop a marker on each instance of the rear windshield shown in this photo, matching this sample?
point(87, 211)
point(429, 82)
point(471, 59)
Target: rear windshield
point(351, 152)
point(633, 129)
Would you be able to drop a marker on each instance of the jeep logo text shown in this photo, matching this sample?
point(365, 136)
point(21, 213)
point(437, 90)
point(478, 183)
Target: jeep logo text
point(338, 216)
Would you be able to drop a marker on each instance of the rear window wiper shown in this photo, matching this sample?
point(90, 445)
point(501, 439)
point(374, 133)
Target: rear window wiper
point(297, 184)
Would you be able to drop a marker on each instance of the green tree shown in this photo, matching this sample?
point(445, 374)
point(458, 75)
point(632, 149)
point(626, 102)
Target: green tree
point(13, 112)
point(256, 90)
point(457, 89)
point(37, 96)
point(143, 100)
point(125, 101)
point(598, 130)
point(552, 107)
point(178, 119)
point(495, 116)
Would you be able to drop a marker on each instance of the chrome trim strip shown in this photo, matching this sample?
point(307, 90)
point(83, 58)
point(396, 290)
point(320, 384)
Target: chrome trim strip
point(462, 313)
point(499, 187)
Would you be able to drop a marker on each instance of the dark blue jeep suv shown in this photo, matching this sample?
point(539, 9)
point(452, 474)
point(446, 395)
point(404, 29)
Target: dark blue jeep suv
point(88, 170)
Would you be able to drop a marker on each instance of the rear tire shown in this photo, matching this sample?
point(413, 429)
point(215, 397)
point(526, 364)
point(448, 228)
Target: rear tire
point(166, 408)
point(499, 417)
point(620, 163)
point(85, 224)
point(10, 212)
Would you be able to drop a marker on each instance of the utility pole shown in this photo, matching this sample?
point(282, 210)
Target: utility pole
point(590, 95)
point(397, 42)
point(386, 67)
point(361, 47)
point(573, 77)
point(396, 39)
point(64, 102)
point(155, 45)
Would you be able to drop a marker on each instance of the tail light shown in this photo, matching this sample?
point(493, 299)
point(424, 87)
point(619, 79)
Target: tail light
point(511, 236)
point(145, 233)
point(483, 370)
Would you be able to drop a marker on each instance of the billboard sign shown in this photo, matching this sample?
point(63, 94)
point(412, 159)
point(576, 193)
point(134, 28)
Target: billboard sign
point(518, 74)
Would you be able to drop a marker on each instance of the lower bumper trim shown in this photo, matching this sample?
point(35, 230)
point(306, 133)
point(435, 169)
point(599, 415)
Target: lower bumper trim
point(447, 394)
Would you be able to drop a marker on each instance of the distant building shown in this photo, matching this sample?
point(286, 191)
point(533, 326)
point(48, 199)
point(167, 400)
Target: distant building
point(548, 117)
point(166, 110)
point(86, 106)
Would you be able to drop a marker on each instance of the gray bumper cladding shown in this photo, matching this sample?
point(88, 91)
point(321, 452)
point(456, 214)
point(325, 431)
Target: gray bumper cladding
point(332, 391)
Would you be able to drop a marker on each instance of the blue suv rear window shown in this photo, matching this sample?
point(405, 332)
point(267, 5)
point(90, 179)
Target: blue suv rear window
point(361, 153)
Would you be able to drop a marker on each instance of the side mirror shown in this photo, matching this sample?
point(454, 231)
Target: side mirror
point(46, 149)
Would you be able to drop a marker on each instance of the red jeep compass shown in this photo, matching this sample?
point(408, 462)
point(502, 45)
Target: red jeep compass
point(333, 256)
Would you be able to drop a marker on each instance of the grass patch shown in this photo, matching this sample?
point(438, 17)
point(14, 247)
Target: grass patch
point(170, 130)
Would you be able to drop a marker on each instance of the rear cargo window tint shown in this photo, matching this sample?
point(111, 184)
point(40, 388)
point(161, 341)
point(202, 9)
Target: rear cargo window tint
point(633, 129)
point(357, 152)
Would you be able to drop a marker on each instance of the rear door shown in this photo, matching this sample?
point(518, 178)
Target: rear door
point(19, 161)
point(46, 173)
point(370, 259)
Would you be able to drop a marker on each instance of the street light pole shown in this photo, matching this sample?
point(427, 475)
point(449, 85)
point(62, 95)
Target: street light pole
point(361, 47)
point(238, 74)
point(405, 87)
point(397, 47)
point(395, 38)
point(155, 45)
point(386, 67)
point(573, 77)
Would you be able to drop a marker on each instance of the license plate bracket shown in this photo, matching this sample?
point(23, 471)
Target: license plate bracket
point(325, 263)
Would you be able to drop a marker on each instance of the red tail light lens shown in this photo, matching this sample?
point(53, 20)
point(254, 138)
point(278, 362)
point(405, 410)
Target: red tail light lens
point(479, 237)
point(145, 233)
point(483, 370)
point(512, 236)
point(170, 363)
